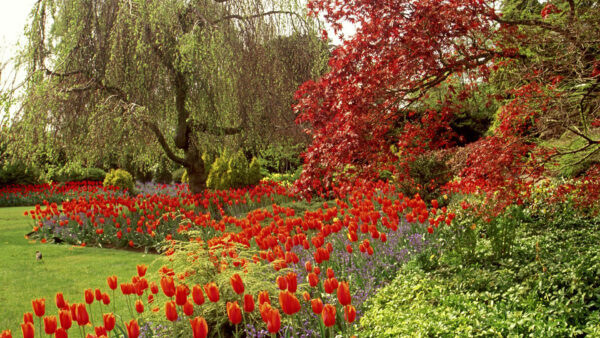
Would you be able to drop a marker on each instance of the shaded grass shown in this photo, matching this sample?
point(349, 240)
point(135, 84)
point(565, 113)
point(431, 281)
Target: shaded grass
point(65, 268)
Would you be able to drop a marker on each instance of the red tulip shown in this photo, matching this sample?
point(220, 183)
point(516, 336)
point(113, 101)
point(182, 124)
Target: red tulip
point(313, 279)
point(61, 333)
point(105, 299)
point(281, 282)
point(289, 303)
point(181, 294)
point(65, 319)
point(234, 313)
point(100, 331)
point(139, 306)
point(28, 317)
point(89, 296)
point(308, 266)
point(98, 294)
point(343, 293)
point(28, 330)
point(6, 333)
point(263, 297)
point(133, 329)
point(199, 327)
point(60, 300)
point(141, 270)
point(188, 308)
point(109, 321)
point(306, 296)
point(171, 311)
point(50, 324)
point(292, 282)
point(82, 315)
point(197, 295)
point(349, 313)
point(168, 286)
point(153, 287)
point(317, 305)
point(212, 292)
point(237, 284)
point(328, 315)
point(112, 282)
point(273, 321)
point(330, 273)
point(248, 303)
point(39, 306)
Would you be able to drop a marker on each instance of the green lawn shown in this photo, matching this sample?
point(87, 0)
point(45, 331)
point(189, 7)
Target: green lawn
point(65, 268)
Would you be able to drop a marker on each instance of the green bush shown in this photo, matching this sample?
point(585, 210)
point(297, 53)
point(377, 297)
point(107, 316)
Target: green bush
point(119, 178)
point(178, 175)
point(74, 172)
point(237, 171)
point(549, 287)
point(254, 173)
point(427, 175)
point(18, 173)
point(217, 177)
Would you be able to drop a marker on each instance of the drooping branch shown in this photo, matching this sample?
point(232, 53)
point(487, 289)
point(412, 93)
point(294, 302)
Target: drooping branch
point(214, 130)
point(163, 143)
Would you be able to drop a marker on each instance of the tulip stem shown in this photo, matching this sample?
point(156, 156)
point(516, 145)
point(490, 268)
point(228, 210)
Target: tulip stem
point(40, 326)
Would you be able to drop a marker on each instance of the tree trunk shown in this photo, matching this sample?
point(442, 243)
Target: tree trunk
point(196, 171)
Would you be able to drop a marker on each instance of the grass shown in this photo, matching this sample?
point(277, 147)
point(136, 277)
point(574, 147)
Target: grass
point(65, 269)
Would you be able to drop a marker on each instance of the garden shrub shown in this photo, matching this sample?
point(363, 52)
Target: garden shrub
point(254, 172)
point(217, 176)
point(547, 288)
point(178, 175)
point(202, 264)
point(119, 178)
point(18, 173)
point(426, 175)
point(74, 172)
point(237, 170)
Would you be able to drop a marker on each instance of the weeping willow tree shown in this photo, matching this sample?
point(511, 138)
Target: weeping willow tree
point(152, 77)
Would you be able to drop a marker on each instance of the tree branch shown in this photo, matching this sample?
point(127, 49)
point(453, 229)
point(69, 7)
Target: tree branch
point(215, 130)
point(163, 142)
point(254, 16)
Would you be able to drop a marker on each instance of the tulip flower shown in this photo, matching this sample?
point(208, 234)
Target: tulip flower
point(28, 330)
point(328, 315)
point(317, 305)
point(273, 321)
point(109, 321)
point(6, 333)
point(330, 273)
point(82, 315)
point(292, 282)
point(64, 317)
point(105, 299)
point(343, 293)
point(141, 270)
point(263, 297)
point(139, 306)
point(197, 295)
point(39, 306)
point(349, 313)
point(199, 327)
point(181, 294)
point(168, 286)
point(308, 266)
point(212, 292)
point(112, 282)
point(89, 296)
point(61, 333)
point(100, 331)
point(133, 329)
point(289, 303)
point(234, 313)
point(306, 296)
point(171, 311)
point(188, 308)
point(237, 284)
point(153, 287)
point(60, 300)
point(50, 324)
point(281, 282)
point(28, 317)
point(313, 279)
point(98, 294)
point(330, 285)
point(248, 303)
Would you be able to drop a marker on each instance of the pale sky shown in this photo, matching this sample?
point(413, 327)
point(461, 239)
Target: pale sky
point(13, 17)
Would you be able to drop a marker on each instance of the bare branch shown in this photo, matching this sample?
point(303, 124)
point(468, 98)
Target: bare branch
point(163, 143)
